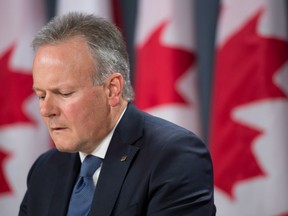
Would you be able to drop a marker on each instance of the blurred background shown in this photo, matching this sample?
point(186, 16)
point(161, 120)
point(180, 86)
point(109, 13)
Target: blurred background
point(217, 68)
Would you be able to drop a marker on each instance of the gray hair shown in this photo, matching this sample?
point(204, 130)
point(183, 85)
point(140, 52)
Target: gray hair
point(103, 39)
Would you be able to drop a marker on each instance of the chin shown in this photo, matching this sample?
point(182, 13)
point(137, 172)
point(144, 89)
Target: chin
point(63, 148)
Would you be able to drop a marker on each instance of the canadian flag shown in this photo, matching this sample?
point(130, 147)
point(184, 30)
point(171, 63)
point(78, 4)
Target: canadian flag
point(165, 68)
point(23, 136)
point(250, 109)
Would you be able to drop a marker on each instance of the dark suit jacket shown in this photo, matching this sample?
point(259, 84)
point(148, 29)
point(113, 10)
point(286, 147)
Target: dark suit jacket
point(167, 171)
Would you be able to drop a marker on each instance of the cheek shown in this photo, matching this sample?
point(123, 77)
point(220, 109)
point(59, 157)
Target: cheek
point(86, 110)
point(46, 121)
point(81, 112)
point(73, 111)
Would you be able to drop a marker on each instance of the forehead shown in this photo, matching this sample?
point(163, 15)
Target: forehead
point(63, 61)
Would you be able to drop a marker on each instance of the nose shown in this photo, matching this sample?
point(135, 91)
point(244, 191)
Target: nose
point(48, 106)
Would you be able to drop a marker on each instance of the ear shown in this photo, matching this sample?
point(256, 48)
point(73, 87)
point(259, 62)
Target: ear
point(114, 88)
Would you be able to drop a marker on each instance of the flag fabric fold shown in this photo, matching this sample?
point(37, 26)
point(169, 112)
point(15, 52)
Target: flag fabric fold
point(97, 7)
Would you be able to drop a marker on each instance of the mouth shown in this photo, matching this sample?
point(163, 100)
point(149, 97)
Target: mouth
point(58, 129)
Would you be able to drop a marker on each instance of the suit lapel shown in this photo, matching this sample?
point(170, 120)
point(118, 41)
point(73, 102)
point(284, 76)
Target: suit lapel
point(68, 170)
point(118, 159)
point(110, 181)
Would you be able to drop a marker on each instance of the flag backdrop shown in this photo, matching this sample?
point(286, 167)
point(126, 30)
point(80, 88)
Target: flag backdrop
point(22, 133)
point(165, 68)
point(250, 109)
point(249, 119)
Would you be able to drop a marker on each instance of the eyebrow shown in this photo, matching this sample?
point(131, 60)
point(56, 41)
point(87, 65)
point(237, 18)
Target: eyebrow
point(36, 88)
point(57, 88)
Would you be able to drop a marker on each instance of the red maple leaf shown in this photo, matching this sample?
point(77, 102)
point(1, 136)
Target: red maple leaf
point(16, 86)
point(4, 186)
point(158, 68)
point(245, 68)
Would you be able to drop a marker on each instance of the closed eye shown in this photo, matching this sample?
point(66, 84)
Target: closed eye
point(40, 96)
point(66, 95)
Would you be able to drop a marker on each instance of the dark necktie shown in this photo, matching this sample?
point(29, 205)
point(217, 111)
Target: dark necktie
point(83, 191)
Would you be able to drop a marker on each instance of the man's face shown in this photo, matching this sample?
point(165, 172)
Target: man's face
point(75, 111)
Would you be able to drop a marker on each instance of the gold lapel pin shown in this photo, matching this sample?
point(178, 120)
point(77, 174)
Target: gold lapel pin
point(123, 158)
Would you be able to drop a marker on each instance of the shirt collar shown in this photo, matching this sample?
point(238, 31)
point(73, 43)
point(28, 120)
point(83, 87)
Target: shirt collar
point(101, 149)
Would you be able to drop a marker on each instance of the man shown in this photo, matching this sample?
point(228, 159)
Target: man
point(149, 166)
